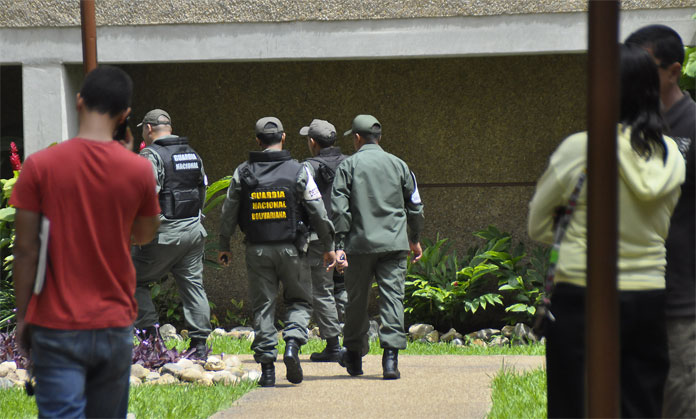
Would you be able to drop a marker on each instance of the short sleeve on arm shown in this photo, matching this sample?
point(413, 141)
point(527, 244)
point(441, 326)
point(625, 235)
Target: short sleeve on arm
point(26, 193)
point(150, 203)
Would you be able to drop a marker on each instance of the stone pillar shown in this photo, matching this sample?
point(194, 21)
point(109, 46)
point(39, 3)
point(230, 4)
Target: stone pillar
point(48, 102)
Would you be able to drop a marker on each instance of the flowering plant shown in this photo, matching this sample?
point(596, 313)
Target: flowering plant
point(7, 235)
point(14, 157)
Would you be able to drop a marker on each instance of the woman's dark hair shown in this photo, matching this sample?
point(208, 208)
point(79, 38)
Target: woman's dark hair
point(640, 100)
point(107, 89)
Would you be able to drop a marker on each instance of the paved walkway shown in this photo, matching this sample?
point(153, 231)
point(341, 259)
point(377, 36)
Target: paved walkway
point(435, 386)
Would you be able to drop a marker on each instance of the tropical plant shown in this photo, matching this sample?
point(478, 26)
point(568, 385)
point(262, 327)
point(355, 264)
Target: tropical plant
point(166, 298)
point(236, 317)
point(212, 196)
point(152, 352)
point(444, 290)
point(687, 81)
point(9, 350)
point(7, 236)
point(520, 277)
point(439, 292)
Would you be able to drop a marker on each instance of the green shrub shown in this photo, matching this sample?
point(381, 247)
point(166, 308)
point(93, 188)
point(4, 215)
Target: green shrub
point(440, 291)
point(7, 234)
point(447, 291)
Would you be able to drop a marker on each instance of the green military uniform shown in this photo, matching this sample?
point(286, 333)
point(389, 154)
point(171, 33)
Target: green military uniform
point(374, 198)
point(178, 248)
point(271, 262)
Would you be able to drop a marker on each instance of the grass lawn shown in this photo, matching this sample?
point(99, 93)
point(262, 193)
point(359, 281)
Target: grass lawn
point(235, 346)
point(512, 393)
point(519, 394)
point(171, 401)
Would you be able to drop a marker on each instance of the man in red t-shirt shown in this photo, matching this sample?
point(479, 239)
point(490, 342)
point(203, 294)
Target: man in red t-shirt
point(98, 197)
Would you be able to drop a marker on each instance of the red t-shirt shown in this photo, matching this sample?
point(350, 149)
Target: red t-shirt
point(91, 192)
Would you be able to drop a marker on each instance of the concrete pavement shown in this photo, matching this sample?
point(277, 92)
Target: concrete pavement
point(433, 386)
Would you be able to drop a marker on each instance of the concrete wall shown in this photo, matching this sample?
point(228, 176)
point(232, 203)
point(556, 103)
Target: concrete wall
point(35, 13)
point(476, 131)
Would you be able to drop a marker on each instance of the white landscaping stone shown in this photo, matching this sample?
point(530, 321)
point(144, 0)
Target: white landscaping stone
point(21, 374)
point(12, 375)
point(214, 363)
point(4, 370)
point(167, 331)
point(139, 371)
point(231, 360)
point(191, 375)
point(218, 332)
point(204, 381)
point(185, 363)
point(252, 375)
point(173, 369)
point(450, 335)
point(433, 337)
point(135, 381)
point(152, 376)
point(418, 331)
point(6, 383)
point(10, 365)
point(166, 379)
point(225, 378)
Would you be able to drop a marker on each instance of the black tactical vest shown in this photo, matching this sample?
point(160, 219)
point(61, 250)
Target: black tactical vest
point(270, 207)
point(183, 191)
point(324, 166)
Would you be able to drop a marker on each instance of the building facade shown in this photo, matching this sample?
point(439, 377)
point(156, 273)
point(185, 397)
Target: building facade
point(473, 95)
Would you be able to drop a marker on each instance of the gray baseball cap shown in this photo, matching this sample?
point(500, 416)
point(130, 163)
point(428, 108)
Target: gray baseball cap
point(275, 127)
point(156, 117)
point(365, 124)
point(320, 130)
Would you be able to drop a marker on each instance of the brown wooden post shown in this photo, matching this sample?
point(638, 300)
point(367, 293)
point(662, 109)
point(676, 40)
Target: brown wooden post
point(603, 388)
point(89, 35)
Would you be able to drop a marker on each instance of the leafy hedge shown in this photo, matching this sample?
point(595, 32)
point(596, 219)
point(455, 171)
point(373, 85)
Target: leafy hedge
point(446, 291)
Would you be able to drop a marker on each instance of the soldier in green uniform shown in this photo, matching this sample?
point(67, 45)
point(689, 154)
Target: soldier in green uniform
point(272, 197)
point(374, 199)
point(321, 136)
point(180, 242)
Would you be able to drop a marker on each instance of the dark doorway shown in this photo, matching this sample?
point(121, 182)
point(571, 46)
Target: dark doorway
point(11, 124)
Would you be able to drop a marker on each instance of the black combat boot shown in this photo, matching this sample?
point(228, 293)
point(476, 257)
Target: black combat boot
point(351, 361)
point(291, 358)
point(329, 354)
point(201, 347)
point(390, 364)
point(267, 375)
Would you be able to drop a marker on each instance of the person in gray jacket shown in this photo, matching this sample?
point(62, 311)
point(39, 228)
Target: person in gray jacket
point(180, 242)
point(272, 198)
point(321, 137)
point(378, 215)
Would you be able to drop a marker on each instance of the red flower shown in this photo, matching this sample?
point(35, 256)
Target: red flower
point(142, 145)
point(14, 157)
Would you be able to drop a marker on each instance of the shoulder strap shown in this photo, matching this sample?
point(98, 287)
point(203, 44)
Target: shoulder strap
point(561, 227)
